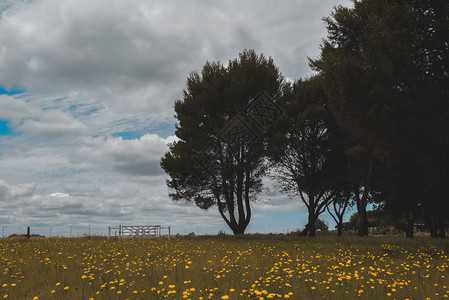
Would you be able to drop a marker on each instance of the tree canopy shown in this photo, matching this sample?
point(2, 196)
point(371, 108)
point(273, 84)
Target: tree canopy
point(219, 157)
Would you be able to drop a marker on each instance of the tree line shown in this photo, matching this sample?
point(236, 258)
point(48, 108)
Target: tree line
point(370, 126)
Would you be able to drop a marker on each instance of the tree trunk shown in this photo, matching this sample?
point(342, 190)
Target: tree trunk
point(409, 226)
point(363, 219)
point(433, 231)
point(441, 232)
point(409, 231)
point(235, 199)
point(340, 227)
point(339, 213)
point(231, 221)
point(363, 201)
point(311, 223)
point(312, 231)
point(440, 226)
point(431, 224)
point(238, 230)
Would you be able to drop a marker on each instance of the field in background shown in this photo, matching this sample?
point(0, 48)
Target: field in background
point(250, 267)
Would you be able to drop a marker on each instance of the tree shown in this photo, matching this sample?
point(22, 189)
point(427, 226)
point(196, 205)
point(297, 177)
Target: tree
point(361, 162)
point(303, 150)
point(339, 206)
point(376, 218)
point(400, 199)
point(321, 225)
point(386, 68)
point(219, 157)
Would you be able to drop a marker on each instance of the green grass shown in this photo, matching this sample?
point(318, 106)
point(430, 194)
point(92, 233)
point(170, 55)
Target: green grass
point(247, 267)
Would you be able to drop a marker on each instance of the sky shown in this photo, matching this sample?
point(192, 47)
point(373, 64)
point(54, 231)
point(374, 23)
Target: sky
point(87, 89)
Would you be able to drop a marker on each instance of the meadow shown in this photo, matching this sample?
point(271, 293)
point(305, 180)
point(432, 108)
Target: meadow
point(249, 267)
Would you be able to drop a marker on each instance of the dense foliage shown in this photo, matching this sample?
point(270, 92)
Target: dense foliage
point(385, 68)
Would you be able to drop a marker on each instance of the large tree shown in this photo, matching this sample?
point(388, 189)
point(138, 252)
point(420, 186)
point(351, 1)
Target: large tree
point(218, 159)
point(305, 149)
point(386, 68)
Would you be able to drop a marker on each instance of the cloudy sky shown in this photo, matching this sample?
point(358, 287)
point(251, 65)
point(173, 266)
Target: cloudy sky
point(86, 104)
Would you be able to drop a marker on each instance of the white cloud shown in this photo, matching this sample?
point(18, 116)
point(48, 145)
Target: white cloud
point(9, 192)
point(15, 110)
point(130, 54)
point(29, 119)
point(135, 157)
point(53, 124)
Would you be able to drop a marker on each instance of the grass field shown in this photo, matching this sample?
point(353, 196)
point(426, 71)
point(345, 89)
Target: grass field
point(253, 267)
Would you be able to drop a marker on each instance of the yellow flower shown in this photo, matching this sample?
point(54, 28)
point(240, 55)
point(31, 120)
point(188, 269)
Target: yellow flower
point(58, 283)
point(225, 297)
point(66, 288)
point(35, 297)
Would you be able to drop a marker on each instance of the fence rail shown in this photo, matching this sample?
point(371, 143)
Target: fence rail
point(148, 231)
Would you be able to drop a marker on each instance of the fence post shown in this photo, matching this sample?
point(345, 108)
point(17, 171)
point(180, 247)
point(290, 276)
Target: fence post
point(28, 232)
point(168, 232)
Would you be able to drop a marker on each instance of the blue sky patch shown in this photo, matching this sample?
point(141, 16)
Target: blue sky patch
point(4, 128)
point(129, 135)
point(13, 91)
point(163, 130)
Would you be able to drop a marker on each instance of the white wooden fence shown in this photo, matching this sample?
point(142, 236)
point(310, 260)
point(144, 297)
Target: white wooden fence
point(153, 231)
